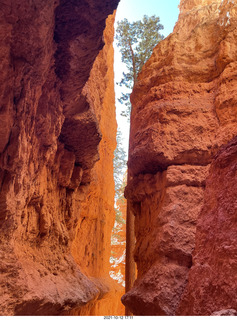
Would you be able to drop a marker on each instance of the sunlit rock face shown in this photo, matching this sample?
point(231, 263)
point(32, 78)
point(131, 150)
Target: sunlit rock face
point(57, 119)
point(183, 110)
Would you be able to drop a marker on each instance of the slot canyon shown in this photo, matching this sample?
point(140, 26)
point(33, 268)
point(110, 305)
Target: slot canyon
point(57, 141)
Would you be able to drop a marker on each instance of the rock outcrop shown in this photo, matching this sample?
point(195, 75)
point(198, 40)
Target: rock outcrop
point(183, 110)
point(214, 258)
point(56, 213)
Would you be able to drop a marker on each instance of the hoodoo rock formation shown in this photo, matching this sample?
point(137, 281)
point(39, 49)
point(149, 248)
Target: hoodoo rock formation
point(57, 138)
point(183, 110)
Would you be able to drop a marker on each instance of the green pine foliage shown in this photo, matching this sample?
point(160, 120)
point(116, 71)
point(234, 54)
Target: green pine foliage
point(120, 163)
point(136, 41)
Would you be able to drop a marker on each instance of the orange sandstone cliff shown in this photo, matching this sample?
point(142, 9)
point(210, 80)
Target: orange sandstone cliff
point(183, 110)
point(57, 137)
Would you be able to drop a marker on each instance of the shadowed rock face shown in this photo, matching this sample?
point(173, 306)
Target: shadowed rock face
point(214, 258)
point(50, 130)
point(184, 110)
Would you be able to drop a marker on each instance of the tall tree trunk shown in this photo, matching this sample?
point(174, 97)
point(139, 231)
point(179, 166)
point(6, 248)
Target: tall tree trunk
point(133, 63)
point(130, 271)
point(130, 268)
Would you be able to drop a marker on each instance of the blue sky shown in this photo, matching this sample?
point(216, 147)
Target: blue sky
point(134, 10)
point(167, 10)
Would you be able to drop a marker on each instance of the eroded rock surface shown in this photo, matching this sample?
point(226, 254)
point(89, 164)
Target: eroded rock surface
point(51, 124)
point(183, 111)
point(214, 258)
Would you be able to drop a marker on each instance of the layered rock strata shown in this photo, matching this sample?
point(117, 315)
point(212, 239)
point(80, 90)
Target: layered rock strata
point(183, 110)
point(52, 120)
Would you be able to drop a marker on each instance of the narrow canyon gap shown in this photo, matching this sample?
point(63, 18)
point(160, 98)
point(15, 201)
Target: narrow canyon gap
point(57, 139)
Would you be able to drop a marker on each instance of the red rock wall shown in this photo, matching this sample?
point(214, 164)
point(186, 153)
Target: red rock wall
point(214, 258)
point(97, 213)
point(51, 124)
point(183, 110)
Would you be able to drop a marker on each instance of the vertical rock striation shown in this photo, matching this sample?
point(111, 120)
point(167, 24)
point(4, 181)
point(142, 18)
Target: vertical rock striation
point(97, 213)
point(184, 109)
point(52, 120)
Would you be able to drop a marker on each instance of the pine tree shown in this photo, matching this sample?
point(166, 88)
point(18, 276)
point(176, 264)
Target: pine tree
point(136, 41)
point(119, 164)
